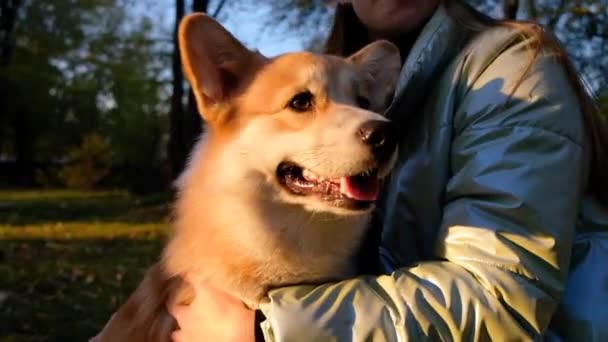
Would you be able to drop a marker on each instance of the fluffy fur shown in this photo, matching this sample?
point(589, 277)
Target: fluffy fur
point(236, 226)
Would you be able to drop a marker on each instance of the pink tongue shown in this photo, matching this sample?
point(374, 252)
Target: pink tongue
point(360, 189)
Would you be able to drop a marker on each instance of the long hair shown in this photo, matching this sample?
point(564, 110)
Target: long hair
point(348, 34)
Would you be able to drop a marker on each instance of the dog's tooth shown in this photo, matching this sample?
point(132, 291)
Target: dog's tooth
point(311, 175)
point(343, 186)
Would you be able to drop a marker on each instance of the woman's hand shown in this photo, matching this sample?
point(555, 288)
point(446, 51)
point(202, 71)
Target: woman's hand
point(213, 315)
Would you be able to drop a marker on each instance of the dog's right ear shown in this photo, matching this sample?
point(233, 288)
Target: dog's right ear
point(381, 60)
point(215, 63)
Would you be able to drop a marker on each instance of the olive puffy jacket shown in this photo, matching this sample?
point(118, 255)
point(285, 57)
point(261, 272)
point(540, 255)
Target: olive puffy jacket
point(487, 234)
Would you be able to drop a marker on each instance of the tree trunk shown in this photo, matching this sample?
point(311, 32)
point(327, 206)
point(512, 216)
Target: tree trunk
point(23, 148)
point(510, 8)
point(176, 150)
point(8, 19)
point(200, 6)
point(13, 119)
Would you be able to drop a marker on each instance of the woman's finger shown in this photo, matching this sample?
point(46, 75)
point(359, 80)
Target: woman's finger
point(178, 336)
point(97, 337)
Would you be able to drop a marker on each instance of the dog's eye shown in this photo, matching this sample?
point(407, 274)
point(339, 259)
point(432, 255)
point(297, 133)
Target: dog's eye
point(362, 102)
point(301, 102)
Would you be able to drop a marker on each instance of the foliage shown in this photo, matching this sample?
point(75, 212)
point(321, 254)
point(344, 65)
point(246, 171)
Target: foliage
point(91, 67)
point(581, 26)
point(87, 164)
point(65, 269)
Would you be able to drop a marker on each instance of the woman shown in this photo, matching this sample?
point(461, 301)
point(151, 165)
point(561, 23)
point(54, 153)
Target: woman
point(492, 226)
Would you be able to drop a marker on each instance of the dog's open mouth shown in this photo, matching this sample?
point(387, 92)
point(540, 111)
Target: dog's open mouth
point(357, 192)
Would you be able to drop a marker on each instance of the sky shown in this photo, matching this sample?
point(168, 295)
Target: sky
point(250, 25)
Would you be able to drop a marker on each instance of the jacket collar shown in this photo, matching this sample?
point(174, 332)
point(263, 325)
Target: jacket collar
point(438, 42)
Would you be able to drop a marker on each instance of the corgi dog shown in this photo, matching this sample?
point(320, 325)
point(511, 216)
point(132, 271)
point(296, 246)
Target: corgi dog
point(279, 189)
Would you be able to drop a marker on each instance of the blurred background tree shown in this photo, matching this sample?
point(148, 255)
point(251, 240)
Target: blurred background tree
point(76, 68)
point(73, 68)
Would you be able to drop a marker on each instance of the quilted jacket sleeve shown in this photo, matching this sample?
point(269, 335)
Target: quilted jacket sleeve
point(518, 168)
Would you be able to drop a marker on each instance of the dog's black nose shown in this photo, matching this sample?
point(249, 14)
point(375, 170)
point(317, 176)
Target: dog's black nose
point(376, 133)
point(380, 136)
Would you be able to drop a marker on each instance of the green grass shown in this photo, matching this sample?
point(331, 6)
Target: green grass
point(68, 259)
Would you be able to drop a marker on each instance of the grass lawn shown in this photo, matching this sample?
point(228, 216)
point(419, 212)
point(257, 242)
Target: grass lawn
point(68, 259)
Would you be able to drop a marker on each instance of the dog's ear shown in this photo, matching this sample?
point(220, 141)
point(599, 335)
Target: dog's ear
point(215, 63)
point(381, 60)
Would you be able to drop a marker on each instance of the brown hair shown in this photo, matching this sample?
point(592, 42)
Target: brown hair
point(348, 34)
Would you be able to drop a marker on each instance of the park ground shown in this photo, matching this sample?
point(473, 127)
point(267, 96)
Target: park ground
point(69, 258)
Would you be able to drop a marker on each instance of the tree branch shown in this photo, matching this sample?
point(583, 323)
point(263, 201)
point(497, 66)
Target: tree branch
point(218, 9)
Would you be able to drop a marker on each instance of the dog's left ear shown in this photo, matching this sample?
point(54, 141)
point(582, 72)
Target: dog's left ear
point(381, 60)
point(215, 63)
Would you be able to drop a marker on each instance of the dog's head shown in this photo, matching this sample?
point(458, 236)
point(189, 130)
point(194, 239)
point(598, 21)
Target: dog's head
point(302, 127)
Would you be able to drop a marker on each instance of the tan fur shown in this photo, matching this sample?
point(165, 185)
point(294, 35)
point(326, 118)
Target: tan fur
point(235, 226)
